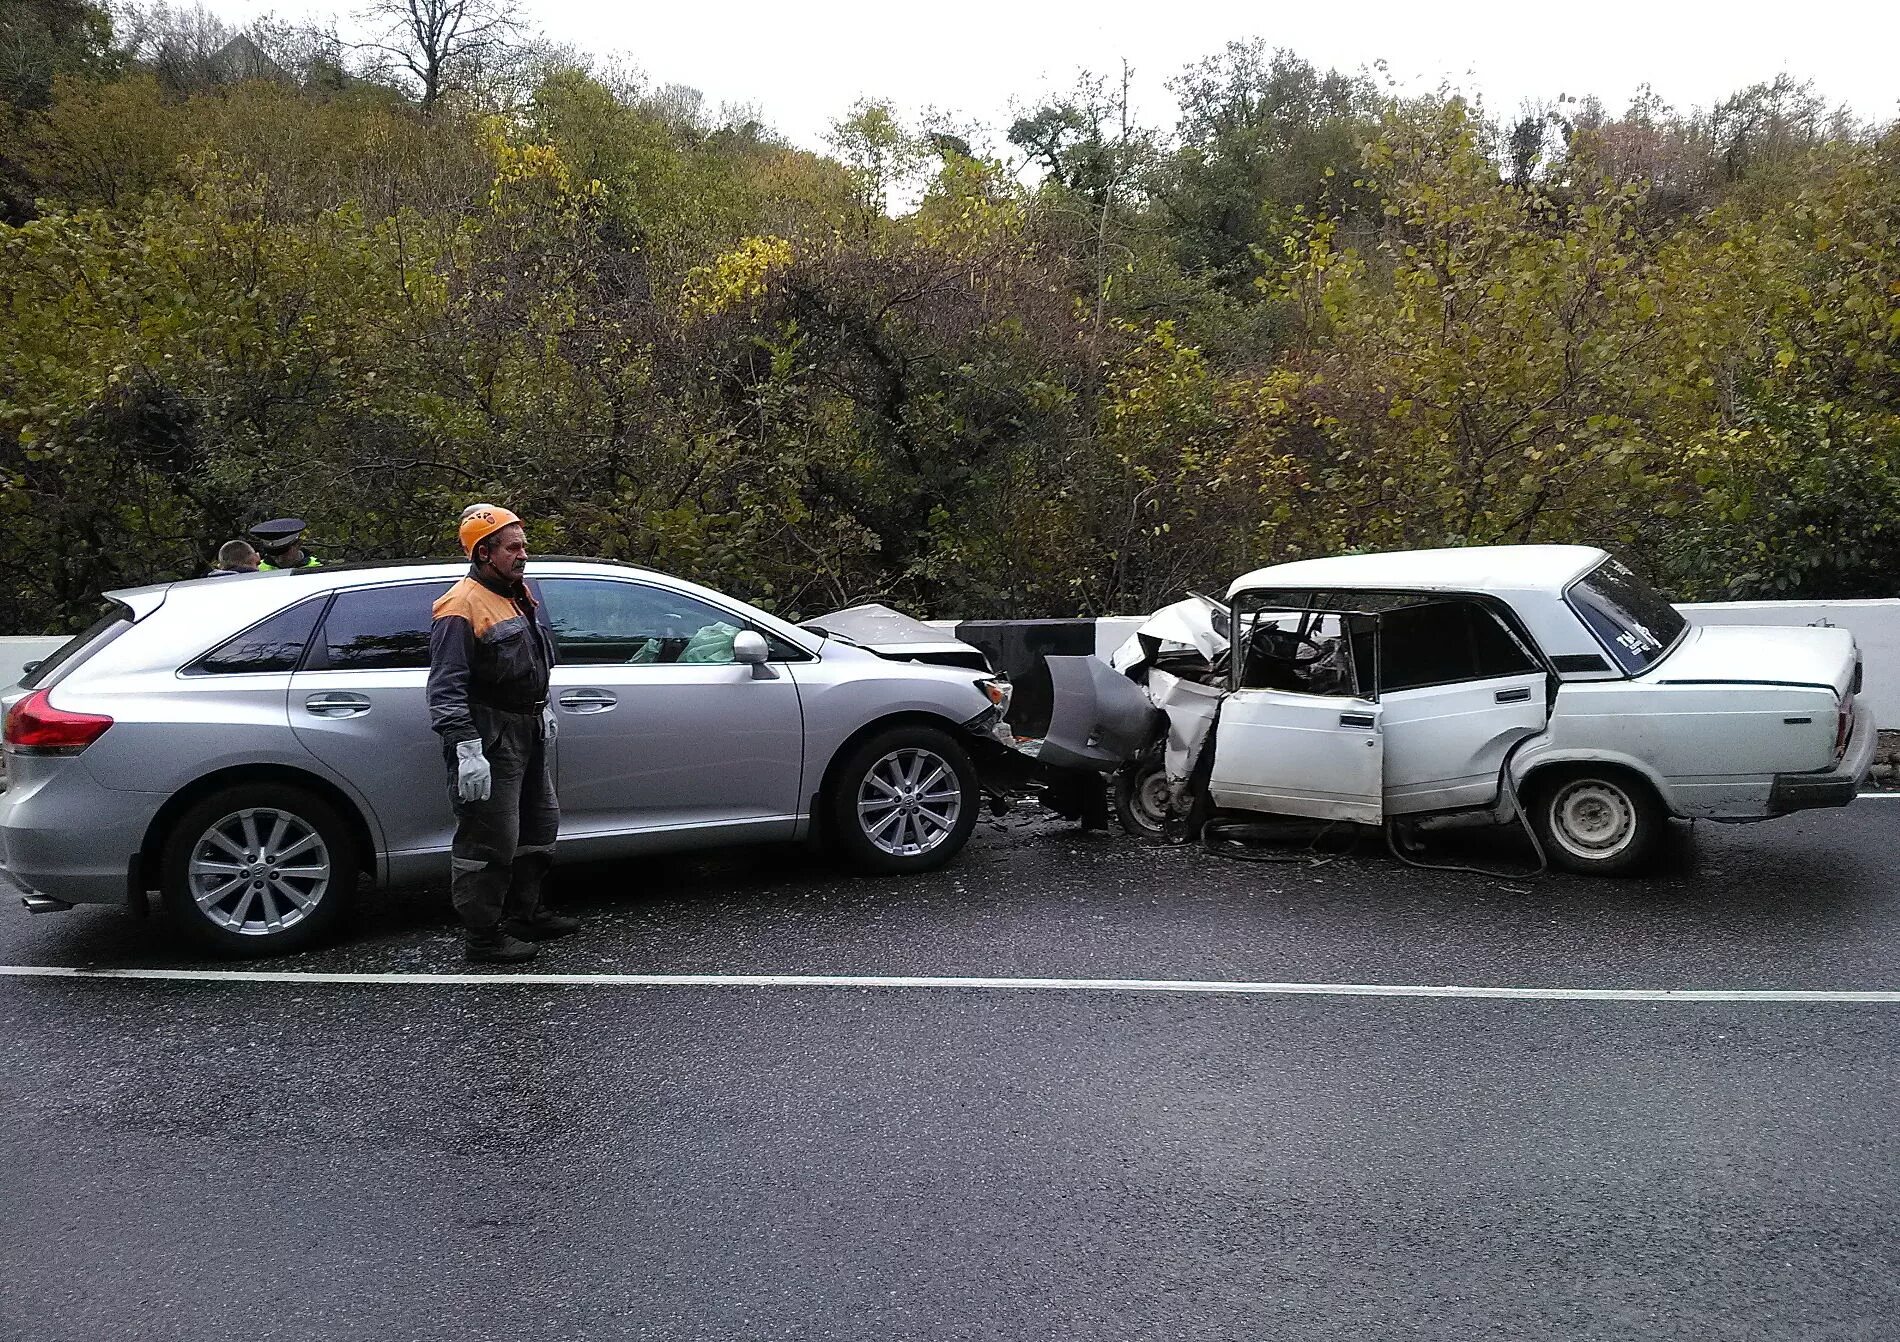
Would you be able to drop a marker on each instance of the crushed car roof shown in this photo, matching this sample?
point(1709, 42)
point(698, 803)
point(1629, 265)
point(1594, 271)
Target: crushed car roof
point(1493, 568)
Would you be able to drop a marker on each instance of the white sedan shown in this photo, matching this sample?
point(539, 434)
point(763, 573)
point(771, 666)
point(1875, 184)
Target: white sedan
point(1486, 683)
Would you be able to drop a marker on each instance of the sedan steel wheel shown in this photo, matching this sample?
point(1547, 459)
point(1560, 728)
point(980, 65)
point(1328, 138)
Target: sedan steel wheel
point(1153, 797)
point(259, 871)
point(1592, 818)
point(909, 801)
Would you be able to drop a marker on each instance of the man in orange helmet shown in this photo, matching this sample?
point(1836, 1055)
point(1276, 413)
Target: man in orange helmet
point(490, 652)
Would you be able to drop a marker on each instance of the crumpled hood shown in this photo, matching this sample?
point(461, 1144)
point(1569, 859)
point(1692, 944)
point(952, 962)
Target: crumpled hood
point(891, 633)
point(1735, 654)
point(1196, 625)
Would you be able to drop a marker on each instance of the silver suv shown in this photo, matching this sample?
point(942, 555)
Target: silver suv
point(252, 746)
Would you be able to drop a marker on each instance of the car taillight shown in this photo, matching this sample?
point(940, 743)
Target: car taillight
point(1845, 727)
point(34, 724)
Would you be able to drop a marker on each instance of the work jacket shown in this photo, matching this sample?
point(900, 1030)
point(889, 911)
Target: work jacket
point(487, 646)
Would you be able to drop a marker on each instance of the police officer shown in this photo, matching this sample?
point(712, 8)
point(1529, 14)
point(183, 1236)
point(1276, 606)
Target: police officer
point(280, 542)
point(490, 651)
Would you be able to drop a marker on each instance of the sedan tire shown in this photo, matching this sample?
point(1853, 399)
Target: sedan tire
point(1143, 797)
point(904, 801)
point(258, 869)
point(1596, 822)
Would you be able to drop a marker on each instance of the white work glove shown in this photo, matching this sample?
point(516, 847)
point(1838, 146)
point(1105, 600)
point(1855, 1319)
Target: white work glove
point(473, 777)
point(548, 729)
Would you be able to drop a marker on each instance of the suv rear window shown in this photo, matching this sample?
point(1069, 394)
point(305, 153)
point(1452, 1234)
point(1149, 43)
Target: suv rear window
point(272, 644)
point(1628, 616)
point(114, 620)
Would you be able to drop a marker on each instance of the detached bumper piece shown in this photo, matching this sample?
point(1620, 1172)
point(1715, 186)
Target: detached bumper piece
point(1830, 787)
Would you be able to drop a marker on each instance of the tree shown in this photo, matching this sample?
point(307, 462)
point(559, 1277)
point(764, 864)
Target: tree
point(1085, 141)
point(880, 151)
point(40, 39)
point(1262, 138)
point(444, 44)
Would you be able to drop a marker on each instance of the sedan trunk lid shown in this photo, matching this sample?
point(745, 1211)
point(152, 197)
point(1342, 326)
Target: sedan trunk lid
point(1761, 655)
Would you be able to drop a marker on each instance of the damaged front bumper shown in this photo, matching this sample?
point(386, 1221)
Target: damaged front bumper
point(1009, 767)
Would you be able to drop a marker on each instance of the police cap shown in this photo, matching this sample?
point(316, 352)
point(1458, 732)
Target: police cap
point(278, 534)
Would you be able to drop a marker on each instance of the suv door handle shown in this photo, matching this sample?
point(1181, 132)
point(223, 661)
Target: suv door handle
point(1513, 696)
point(337, 705)
point(587, 701)
point(1355, 719)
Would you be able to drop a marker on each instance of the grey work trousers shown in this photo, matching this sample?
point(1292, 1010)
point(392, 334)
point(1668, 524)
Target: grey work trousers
point(504, 845)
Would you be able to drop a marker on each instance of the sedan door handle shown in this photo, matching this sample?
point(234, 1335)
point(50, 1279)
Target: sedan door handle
point(1355, 719)
point(1513, 696)
point(335, 705)
point(587, 701)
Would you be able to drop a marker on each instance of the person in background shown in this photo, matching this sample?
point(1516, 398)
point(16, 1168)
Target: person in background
point(280, 542)
point(490, 654)
point(234, 557)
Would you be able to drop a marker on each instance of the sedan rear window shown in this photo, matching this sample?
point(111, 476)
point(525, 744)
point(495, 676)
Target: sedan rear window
point(1628, 616)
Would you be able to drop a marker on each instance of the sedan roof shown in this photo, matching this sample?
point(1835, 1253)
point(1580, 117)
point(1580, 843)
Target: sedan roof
point(1473, 568)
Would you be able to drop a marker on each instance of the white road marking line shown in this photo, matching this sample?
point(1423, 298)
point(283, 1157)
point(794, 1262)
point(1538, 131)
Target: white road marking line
point(1877, 796)
point(1205, 986)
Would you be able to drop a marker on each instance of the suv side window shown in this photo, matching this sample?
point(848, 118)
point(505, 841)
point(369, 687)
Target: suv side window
point(377, 629)
point(275, 643)
point(1445, 642)
point(608, 622)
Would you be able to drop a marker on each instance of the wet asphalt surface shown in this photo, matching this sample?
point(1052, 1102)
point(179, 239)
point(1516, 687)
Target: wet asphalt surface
point(199, 1160)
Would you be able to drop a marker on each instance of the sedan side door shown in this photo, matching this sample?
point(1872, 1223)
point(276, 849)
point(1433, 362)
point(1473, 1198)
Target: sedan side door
point(1297, 736)
point(660, 728)
point(1459, 688)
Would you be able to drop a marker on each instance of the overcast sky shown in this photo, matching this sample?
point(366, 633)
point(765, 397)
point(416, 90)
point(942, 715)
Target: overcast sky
point(804, 61)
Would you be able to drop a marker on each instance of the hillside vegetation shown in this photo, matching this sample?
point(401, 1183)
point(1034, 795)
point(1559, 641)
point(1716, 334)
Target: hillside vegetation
point(1068, 365)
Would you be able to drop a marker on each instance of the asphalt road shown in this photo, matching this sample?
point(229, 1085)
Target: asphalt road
point(201, 1160)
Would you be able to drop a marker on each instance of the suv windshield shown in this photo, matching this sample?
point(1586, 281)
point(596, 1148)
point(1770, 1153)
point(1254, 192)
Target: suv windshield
point(1631, 618)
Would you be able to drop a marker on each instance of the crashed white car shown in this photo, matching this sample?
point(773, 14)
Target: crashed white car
point(1475, 685)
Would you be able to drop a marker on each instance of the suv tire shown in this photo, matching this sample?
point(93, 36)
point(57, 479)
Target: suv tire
point(905, 800)
point(258, 869)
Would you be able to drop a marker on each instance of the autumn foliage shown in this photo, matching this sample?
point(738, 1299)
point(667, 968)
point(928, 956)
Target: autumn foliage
point(1079, 371)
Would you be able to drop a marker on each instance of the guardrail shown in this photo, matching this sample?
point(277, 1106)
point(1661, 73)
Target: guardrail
point(17, 652)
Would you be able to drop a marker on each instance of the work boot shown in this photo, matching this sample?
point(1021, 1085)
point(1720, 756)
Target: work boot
point(491, 945)
point(542, 925)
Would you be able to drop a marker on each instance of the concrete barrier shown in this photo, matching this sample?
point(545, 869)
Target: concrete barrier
point(16, 652)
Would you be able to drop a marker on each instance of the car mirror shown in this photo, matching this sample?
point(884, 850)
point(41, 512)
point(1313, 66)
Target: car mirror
point(749, 648)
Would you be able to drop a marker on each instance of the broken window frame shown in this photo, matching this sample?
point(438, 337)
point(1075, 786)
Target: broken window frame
point(1372, 605)
point(1243, 614)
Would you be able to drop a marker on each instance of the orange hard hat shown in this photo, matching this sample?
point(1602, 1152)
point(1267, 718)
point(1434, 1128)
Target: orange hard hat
point(479, 522)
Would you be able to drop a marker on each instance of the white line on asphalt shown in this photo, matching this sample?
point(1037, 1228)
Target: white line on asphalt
point(1876, 796)
point(1207, 986)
